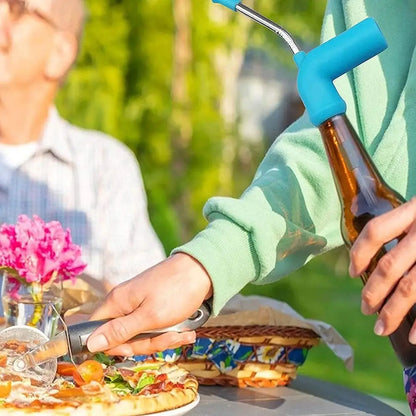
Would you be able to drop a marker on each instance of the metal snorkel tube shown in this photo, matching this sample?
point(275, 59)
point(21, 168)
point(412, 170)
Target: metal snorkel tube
point(318, 68)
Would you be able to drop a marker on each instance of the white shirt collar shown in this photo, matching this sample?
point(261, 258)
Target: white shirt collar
point(54, 137)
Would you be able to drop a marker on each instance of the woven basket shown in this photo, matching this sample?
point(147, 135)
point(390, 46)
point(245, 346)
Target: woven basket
point(256, 356)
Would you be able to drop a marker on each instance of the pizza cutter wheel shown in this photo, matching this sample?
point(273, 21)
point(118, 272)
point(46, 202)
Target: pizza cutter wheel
point(43, 373)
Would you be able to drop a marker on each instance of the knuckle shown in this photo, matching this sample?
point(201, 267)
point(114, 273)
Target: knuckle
point(372, 229)
point(118, 297)
point(158, 318)
point(368, 297)
point(354, 255)
point(407, 287)
point(386, 264)
point(117, 331)
point(113, 295)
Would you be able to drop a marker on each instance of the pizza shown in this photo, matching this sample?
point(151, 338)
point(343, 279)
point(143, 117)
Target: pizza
point(96, 386)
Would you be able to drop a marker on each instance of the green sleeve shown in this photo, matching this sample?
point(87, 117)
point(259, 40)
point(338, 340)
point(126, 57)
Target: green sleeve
point(290, 212)
point(277, 225)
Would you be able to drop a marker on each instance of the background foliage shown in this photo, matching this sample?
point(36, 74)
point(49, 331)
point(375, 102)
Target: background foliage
point(161, 76)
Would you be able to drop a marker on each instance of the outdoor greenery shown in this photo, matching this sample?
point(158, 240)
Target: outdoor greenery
point(160, 75)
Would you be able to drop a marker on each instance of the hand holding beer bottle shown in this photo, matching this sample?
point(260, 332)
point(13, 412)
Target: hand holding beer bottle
point(395, 272)
point(363, 193)
point(366, 201)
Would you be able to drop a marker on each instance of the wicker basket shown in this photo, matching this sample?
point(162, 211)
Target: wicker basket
point(256, 355)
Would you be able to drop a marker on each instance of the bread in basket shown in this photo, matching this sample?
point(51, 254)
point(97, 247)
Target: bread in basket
point(240, 355)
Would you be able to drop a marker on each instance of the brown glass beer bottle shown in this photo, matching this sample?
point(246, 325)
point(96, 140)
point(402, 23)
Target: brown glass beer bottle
point(363, 195)
point(362, 191)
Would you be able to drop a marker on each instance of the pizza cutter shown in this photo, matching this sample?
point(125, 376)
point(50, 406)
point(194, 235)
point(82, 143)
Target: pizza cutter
point(73, 340)
point(43, 373)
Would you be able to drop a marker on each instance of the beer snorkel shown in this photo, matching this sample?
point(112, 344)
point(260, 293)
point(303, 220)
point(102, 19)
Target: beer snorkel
point(362, 192)
point(318, 68)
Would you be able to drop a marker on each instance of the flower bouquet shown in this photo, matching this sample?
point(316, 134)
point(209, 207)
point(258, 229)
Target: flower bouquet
point(35, 258)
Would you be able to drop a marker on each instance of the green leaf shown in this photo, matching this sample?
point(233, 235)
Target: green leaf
point(120, 388)
point(117, 384)
point(144, 381)
point(114, 378)
point(144, 367)
point(104, 358)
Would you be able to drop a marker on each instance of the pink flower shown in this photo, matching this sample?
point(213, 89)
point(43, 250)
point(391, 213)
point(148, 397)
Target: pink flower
point(38, 252)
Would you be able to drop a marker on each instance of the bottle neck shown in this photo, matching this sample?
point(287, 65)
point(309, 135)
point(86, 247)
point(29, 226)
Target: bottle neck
point(353, 170)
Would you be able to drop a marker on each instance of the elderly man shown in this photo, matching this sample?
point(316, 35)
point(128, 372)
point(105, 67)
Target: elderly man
point(88, 181)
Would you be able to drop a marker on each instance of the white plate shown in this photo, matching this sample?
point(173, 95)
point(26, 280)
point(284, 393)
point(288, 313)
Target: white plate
point(180, 410)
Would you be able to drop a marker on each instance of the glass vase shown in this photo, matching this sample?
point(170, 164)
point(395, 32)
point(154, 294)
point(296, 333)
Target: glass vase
point(32, 304)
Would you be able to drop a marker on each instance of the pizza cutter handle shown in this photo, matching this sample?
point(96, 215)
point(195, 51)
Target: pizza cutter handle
point(79, 333)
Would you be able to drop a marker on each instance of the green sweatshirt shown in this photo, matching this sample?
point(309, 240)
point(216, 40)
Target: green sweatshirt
point(290, 212)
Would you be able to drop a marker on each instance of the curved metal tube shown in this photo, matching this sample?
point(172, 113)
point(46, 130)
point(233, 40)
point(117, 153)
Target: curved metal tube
point(274, 27)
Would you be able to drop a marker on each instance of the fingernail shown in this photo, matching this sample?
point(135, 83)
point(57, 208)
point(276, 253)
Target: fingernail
point(351, 271)
point(379, 327)
point(97, 343)
point(365, 309)
point(412, 337)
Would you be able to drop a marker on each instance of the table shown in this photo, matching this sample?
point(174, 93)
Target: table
point(305, 396)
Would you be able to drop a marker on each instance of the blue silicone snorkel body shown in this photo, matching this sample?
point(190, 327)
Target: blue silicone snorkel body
point(231, 4)
point(318, 68)
point(321, 66)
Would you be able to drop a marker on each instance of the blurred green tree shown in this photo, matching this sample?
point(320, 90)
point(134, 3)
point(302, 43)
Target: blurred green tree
point(161, 76)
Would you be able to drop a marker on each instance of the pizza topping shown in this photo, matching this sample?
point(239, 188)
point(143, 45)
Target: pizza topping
point(149, 366)
point(128, 374)
point(66, 369)
point(10, 377)
point(3, 360)
point(104, 359)
point(88, 383)
point(5, 389)
point(23, 393)
point(15, 346)
point(144, 381)
point(117, 384)
point(161, 377)
point(125, 381)
point(93, 388)
point(173, 372)
point(69, 392)
point(89, 371)
point(62, 383)
point(159, 386)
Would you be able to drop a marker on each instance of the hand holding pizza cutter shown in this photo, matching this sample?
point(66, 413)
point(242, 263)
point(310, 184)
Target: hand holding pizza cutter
point(40, 362)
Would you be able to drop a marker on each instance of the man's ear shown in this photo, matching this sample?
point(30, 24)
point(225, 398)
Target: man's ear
point(62, 56)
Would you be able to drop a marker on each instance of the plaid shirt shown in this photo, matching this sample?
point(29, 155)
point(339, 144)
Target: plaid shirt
point(92, 184)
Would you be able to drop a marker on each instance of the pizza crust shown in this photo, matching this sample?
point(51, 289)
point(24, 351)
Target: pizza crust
point(152, 404)
point(107, 402)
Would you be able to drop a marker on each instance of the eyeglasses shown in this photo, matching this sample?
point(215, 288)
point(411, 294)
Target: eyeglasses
point(17, 8)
